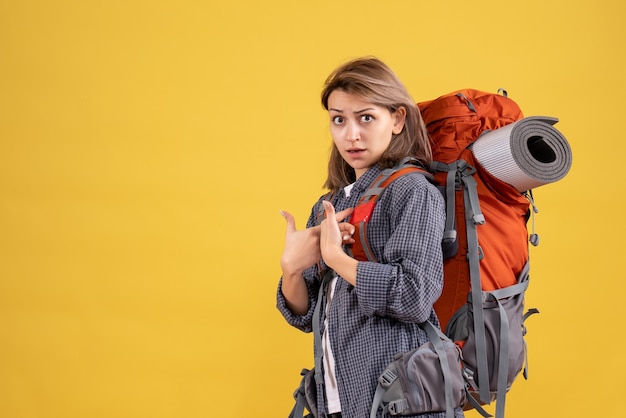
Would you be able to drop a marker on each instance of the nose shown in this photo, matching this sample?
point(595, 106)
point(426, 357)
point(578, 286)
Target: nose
point(353, 133)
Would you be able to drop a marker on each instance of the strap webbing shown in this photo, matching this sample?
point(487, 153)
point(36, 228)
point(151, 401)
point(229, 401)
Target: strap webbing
point(435, 338)
point(476, 405)
point(472, 197)
point(317, 335)
point(503, 363)
point(507, 292)
point(298, 408)
point(530, 312)
point(378, 399)
point(362, 231)
point(449, 234)
point(373, 191)
point(473, 251)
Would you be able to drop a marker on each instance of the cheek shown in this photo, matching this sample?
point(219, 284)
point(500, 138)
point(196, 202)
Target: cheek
point(384, 135)
point(335, 133)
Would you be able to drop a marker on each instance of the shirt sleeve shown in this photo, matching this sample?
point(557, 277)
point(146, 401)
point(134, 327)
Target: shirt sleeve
point(405, 233)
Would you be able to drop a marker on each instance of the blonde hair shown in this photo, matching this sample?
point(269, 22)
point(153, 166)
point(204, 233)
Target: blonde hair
point(372, 80)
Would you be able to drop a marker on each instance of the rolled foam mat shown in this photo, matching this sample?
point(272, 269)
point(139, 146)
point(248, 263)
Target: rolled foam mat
point(525, 154)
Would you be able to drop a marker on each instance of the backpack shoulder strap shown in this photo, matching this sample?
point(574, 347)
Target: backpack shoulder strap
point(329, 197)
point(361, 249)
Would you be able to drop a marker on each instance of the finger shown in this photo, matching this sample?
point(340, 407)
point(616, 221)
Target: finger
point(291, 221)
point(347, 230)
point(340, 216)
point(348, 239)
point(315, 230)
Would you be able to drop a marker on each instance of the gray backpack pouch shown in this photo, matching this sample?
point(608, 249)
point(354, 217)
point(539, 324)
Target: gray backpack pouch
point(414, 381)
point(461, 328)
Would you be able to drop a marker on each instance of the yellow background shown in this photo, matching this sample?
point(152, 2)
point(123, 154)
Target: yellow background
point(146, 148)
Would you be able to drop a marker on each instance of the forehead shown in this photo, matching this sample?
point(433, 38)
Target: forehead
point(340, 100)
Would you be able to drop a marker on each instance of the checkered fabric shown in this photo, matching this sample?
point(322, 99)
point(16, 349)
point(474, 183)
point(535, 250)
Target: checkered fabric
point(370, 323)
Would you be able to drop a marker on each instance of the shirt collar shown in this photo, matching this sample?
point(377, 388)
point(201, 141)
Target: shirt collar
point(366, 179)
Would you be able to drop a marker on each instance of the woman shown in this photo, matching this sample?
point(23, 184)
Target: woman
point(371, 310)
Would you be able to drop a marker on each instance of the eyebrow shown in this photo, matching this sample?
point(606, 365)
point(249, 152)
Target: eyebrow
point(369, 109)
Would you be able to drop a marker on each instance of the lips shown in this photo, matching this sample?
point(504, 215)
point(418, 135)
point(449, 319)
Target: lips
point(355, 151)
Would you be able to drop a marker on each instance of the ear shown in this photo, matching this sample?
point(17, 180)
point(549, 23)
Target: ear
point(399, 116)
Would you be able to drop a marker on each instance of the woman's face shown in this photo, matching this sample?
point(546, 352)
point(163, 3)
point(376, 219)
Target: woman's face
point(361, 130)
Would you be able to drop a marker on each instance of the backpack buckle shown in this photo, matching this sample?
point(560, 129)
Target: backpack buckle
point(398, 406)
point(387, 378)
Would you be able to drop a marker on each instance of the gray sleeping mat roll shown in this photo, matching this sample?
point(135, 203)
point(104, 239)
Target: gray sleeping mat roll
point(525, 154)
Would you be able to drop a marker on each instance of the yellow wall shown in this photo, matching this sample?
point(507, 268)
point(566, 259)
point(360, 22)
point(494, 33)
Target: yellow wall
point(146, 148)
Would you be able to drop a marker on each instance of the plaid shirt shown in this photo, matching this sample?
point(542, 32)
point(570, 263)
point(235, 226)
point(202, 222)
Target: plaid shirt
point(370, 323)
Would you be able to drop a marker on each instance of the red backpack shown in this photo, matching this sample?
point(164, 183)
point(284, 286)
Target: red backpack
point(454, 121)
point(485, 243)
point(482, 302)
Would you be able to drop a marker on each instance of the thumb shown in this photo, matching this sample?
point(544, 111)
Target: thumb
point(329, 209)
point(291, 221)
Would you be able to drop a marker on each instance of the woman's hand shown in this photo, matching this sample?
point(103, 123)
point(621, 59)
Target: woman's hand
point(333, 235)
point(302, 250)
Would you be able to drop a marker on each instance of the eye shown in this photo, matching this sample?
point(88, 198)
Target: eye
point(367, 118)
point(337, 120)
